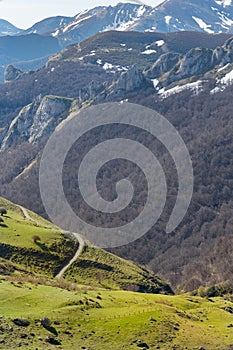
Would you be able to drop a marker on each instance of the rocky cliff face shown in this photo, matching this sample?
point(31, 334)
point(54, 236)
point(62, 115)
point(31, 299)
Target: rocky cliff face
point(129, 81)
point(163, 65)
point(40, 118)
point(169, 69)
point(13, 73)
point(90, 92)
point(196, 62)
point(37, 120)
point(173, 67)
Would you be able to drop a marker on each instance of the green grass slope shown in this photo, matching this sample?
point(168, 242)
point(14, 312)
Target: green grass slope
point(88, 308)
point(102, 319)
point(46, 257)
point(94, 267)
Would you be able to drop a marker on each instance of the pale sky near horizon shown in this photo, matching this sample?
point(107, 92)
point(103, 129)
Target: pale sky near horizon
point(24, 13)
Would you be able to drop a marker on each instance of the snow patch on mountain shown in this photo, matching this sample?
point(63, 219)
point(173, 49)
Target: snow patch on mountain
point(195, 87)
point(75, 24)
point(224, 3)
point(228, 78)
point(155, 83)
point(224, 67)
point(141, 11)
point(224, 82)
point(160, 43)
point(168, 19)
point(226, 22)
point(124, 19)
point(203, 25)
point(148, 52)
point(111, 67)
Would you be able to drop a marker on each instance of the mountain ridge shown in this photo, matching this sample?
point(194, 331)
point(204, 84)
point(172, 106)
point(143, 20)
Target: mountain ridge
point(210, 16)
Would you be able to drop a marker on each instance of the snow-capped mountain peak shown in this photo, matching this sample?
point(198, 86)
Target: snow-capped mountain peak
point(211, 16)
point(102, 18)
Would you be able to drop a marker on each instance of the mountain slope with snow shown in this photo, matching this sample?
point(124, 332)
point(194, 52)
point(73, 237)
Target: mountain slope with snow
point(48, 25)
point(210, 16)
point(104, 18)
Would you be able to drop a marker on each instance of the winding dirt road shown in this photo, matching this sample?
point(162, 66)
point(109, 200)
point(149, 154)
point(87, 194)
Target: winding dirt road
point(77, 237)
point(78, 252)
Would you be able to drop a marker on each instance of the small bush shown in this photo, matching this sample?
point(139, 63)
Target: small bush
point(36, 239)
point(3, 211)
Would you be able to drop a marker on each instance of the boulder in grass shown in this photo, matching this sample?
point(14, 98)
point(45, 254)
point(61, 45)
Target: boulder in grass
point(45, 321)
point(3, 211)
point(143, 345)
point(20, 322)
point(53, 341)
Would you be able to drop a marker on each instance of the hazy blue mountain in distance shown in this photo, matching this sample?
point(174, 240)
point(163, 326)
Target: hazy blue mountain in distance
point(6, 28)
point(27, 51)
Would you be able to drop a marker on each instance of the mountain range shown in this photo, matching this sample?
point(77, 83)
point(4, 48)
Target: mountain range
point(210, 16)
point(186, 76)
point(59, 289)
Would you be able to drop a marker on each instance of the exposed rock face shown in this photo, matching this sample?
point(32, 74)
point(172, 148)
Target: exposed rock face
point(90, 92)
point(11, 73)
point(38, 119)
point(163, 65)
point(197, 61)
point(227, 52)
point(130, 80)
point(173, 67)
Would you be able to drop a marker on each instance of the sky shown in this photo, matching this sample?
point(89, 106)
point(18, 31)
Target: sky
point(24, 13)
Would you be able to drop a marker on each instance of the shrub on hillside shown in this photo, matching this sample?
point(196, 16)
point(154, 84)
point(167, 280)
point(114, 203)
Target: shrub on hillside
point(36, 239)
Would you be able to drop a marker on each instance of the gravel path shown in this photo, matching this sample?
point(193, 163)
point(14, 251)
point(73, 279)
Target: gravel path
point(77, 237)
